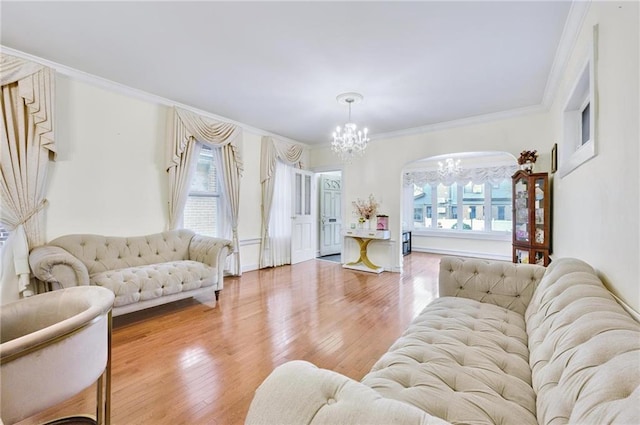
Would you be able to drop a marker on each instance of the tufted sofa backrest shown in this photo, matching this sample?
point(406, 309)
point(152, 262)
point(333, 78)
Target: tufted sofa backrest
point(498, 282)
point(584, 350)
point(102, 253)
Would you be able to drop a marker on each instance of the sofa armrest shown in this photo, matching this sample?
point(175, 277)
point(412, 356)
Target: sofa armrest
point(57, 267)
point(210, 251)
point(502, 283)
point(300, 393)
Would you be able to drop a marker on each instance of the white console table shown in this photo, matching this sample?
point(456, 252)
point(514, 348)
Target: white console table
point(364, 237)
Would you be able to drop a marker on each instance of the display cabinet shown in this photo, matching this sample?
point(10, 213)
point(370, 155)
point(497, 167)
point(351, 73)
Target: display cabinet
point(531, 218)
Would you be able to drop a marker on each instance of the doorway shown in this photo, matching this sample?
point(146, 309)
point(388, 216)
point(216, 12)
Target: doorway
point(330, 215)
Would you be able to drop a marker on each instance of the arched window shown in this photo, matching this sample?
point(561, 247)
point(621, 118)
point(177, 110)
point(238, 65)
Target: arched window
point(463, 192)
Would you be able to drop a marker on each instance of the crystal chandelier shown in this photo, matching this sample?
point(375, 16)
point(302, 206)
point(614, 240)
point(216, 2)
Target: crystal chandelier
point(449, 169)
point(349, 142)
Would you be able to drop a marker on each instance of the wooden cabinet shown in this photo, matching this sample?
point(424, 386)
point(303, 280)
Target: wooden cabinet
point(531, 218)
point(406, 242)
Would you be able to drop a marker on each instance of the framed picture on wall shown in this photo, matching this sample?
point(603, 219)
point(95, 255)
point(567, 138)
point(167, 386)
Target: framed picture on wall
point(554, 158)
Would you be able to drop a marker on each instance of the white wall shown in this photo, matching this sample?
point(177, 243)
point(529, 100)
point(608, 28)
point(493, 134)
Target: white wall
point(249, 221)
point(596, 207)
point(109, 174)
point(380, 172)
point(109, 177)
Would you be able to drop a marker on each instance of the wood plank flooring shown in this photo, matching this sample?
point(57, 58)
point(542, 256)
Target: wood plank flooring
point(195, 362)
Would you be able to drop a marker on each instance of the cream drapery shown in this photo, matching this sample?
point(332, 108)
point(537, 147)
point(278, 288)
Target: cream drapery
point(187, 130)
point(273, 150)
point(26, 147)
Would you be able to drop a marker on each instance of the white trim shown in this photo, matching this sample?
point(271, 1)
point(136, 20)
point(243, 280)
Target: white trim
point(462, 234)
point(568, 40)
point(135, 93)
point(458, 253)
point(478, 119)
point(248, 242)
point(573, 153)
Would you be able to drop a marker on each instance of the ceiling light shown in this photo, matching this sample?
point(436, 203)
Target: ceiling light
point(349, 142)
point(449, 169)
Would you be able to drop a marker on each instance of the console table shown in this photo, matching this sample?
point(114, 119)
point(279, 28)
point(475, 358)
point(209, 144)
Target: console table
point(364, 237)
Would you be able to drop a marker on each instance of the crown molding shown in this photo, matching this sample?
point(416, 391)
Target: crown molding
point(568, 40)
point(113, 86)
point(478, 119)
point(572, 27)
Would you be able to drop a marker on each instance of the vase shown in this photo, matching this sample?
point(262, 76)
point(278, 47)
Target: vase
point(527, 166)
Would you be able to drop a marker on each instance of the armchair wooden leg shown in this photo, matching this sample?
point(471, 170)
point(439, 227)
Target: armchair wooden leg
point(217, 294)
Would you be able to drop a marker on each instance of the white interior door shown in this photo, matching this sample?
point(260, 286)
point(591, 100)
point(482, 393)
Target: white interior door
point(330, 217)
point(303, 217)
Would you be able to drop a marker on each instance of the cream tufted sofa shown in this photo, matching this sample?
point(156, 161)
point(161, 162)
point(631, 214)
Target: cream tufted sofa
point(504, 344)
point(142, 271)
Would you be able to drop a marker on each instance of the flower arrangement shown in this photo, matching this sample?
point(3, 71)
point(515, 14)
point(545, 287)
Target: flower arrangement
point(366, 208)
point(527, 156)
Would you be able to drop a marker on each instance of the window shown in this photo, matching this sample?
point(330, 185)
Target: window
point(4, 235)
point(484, 207)
point(580, 115)
point(202, 212)
point(471, 200)
point(586, 119)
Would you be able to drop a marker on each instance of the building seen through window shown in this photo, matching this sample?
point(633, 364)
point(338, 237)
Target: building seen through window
point(472, 196)
point(479, 204)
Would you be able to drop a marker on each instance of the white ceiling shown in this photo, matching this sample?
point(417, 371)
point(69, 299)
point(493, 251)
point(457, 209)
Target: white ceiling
point(278, 66)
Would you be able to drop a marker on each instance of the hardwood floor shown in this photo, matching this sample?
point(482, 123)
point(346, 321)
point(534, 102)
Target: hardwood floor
point(192, 362)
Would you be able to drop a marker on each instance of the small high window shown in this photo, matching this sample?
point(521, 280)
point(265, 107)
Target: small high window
point(580, 116)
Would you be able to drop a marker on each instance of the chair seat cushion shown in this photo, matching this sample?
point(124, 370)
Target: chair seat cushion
point(463, 361)
point(141, 283)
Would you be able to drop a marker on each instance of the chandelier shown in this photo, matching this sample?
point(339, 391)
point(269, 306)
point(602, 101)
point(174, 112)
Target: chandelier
point(349, 142)
point(449, 169)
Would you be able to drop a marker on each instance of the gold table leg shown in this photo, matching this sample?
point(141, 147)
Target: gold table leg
point(363, 254)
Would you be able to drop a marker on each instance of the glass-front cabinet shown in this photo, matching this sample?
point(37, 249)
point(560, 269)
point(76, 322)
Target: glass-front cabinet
point(531, 218)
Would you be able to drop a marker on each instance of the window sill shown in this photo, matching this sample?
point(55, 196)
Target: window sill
point(462, 234)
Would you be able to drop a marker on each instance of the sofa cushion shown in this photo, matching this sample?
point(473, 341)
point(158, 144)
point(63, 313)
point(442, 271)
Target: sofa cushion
point(102, 253)
point(134, 284)
point(462, 360)
point(585, 350)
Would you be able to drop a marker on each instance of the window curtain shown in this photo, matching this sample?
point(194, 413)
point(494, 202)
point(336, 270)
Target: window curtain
point(278, 251)
point(272, 151)
point(186, 130)
point(493, 175)
point(26, 147)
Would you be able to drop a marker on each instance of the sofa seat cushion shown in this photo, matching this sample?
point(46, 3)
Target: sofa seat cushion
point(141, 283)
point(463, 361)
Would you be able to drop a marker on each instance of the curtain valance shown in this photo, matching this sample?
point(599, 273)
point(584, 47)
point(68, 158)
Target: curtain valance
point(493, 175)
point(190, 126)
point(273, 150)
point(187, 129)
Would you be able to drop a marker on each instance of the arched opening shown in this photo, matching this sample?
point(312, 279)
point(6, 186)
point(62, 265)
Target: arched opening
point(450, 200)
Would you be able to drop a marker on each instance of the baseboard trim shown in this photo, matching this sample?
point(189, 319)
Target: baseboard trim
point(471, 254)
point(249, 267)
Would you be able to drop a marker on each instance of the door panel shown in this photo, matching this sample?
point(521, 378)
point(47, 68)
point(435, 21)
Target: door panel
point(303, 217)
point(330, 214)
